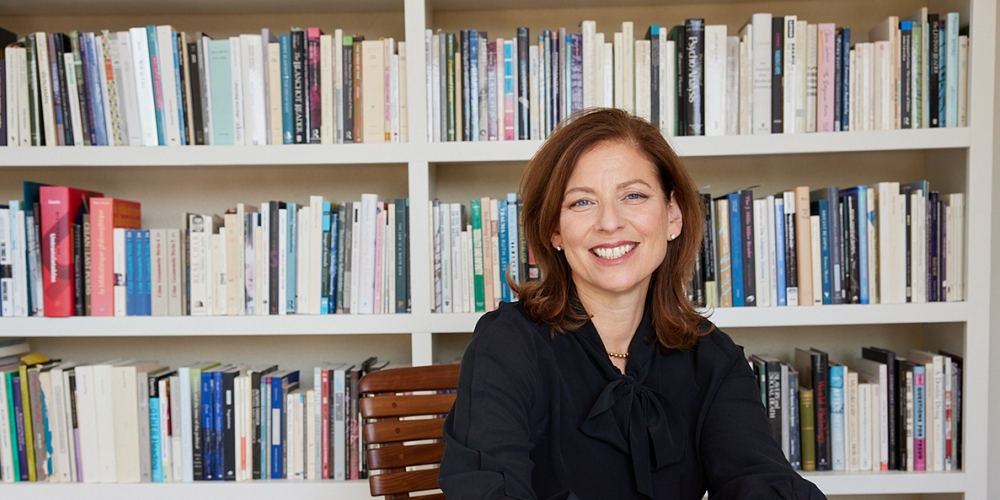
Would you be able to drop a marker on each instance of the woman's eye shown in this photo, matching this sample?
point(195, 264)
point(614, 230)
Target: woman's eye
point(635, 196)
point(580, 203)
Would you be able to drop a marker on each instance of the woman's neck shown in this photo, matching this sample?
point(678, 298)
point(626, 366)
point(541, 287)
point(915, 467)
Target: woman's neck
point(616, 318)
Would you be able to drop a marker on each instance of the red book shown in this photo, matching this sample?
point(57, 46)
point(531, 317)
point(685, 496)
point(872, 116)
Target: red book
point(60, 207)
point(105, 215)
point(325, 420)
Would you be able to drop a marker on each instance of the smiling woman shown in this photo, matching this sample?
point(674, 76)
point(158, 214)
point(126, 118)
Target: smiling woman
point(603, 381)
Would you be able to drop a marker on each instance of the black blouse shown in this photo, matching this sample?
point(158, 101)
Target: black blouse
point(543, 417)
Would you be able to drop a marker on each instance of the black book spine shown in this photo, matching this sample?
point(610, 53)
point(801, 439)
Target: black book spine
point(197, 441)
point(774, 398)
point(61, 44)
point(273, 259)
point(677, 35)
point(182, 70)
point(933, 247)
point(902, 409)
point(777, 75)
point(453, 107)
point(694, 49)
point(708, 240)
point(194, 73)
point(348, 87)
point(229, 425)
point(838, 81)
point(852, 270)
point(255, 423)
point(314, 109)
point(3, 104)
point(463, 40)
point(906, 191)
point(523, 92)
point(821, 393)
point(555, 94)
point(791, 253)
point(905, 69)
point(749, 232)
point(299, 87)
point(696, 294)
point(934, 52)
point(78, 288)
point(845, 89)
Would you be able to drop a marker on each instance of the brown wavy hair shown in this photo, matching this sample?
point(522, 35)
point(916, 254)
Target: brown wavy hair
point(552, 299)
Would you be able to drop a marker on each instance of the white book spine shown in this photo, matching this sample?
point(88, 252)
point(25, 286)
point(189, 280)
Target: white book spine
point(282, 261)
point(732, 85)
point(802, 75)
point(457, 303)
point(274, 92)
point(963, 81)
point(23, 116)
point(7, 260)
point(187, 440)
point(367, 253)
point(762, 61)
point(670, 88)
point(746, 80)
point(302, 268)
point(158, 272)
point(168, 56)
point(812, 60)
point(715, 79)
point(12, 92)
point(310, 418)
point(45, 87)
point(144, 87)
point(628, 65)
point(772, 252)
point(61, 431)
point(619, 72)
point(761, 255)
point(315, 269)
point(264, 273)
point(789, 72)
point(128, 98)
point(865, 426)
point(206, 88)
point(533, 84)
point(339, 464)
point(662, 76)
point(429, 82)
point(394, 102)
point(326, 89)
point(609, 74)
point(236, 72)
point(221, 289)
point(119, 264)
point(642, 50)
point(90, 455)
point(256, 96)
point(19, 240)
point(103, 403)
point(589, 29)
point(126, 420)
point(338, 85)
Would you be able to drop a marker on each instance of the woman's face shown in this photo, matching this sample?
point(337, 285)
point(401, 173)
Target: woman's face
point(615, 222)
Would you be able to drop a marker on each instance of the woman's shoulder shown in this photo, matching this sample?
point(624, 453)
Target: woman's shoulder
point(508, 328)
point(717, 343)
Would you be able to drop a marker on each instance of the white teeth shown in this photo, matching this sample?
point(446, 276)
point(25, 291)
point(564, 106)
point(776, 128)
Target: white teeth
point(613, 253)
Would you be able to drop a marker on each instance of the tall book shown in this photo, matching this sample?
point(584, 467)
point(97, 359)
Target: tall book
point(105, 215)
point(60, 207)
point(813, 368)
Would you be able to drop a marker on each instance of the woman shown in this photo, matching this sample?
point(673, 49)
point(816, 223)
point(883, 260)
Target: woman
point(603, 381)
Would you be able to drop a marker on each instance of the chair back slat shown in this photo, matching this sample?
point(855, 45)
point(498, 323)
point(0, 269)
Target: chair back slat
point(394, 416)
point(393, 483)
point(407, 406)
point(393, 431)
point(395, 457)
point(422, 378)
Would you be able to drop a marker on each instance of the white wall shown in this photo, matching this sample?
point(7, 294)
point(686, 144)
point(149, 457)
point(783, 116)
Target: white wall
point(994, 387)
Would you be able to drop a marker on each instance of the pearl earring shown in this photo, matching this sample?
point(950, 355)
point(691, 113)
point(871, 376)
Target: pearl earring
point(558, 248)
point(672, 236)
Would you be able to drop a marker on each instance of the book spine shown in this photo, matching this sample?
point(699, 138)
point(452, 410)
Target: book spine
point(736, 249)
point(777, 75)
point(808, 428)
point(933, 91)
point(523, 113)
point(821, 392)
point(837, 420)
point(314, 85)
point(298, 83)
point(750, 291)
point(919, 418)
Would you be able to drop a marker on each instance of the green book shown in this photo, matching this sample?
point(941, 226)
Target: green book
point(34, 96)
point(808, 428)
point(8, 380)
point(477, 254)
point(223, 132)
point(449, 51)
point(402, 255)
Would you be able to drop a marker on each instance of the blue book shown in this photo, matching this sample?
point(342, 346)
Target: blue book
point(837, 416)
point(223, 131)
point(824, 245)
point(779, 250)
point(513, 241)
point(178, 87)
point(324, 299)
point(943, 68)
point(154, 65)
point(207, 424)
point(736, 248)
point(265, 418)
point(218, 426)
point(949, 68)
point(144, 283)
point(474, 84)
point(281, 383)
point(287, 124)
point(290, 256)
point(919, 416)
point(131, 260)
point(504, 255)
point(96, 97)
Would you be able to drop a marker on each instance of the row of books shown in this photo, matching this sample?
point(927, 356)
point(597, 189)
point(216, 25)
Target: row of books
point(126, 421)
point(152, 85)
point(473, 251)
point(71, 252)
point(877, 412)
point(779, 75)
point(882, 244)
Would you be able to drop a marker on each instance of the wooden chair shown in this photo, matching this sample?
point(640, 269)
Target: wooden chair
point(382, 406)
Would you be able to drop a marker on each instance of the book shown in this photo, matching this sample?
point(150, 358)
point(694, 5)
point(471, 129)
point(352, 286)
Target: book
point(60, 206)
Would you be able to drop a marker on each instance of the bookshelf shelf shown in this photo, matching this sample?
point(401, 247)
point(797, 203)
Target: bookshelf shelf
point(883, 483)
point(192, 7)
point(221, 490)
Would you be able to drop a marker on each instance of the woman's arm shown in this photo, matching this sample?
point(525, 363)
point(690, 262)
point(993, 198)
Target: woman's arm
point(487, 433)
point(740, 457)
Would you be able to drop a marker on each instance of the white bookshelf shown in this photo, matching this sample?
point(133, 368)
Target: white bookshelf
point(169, 181)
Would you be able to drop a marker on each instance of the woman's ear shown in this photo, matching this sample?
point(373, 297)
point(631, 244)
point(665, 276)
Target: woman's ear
point(556, 240)
point(675, 219)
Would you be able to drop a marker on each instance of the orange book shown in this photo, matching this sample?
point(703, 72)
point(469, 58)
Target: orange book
point(105, 215)
point(61, 210)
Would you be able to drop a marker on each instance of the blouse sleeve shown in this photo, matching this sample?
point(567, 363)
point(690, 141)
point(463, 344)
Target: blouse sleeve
point(741, 460)
point(487, 433)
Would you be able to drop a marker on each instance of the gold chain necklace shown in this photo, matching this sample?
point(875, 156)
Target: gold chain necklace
point(620, 355)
